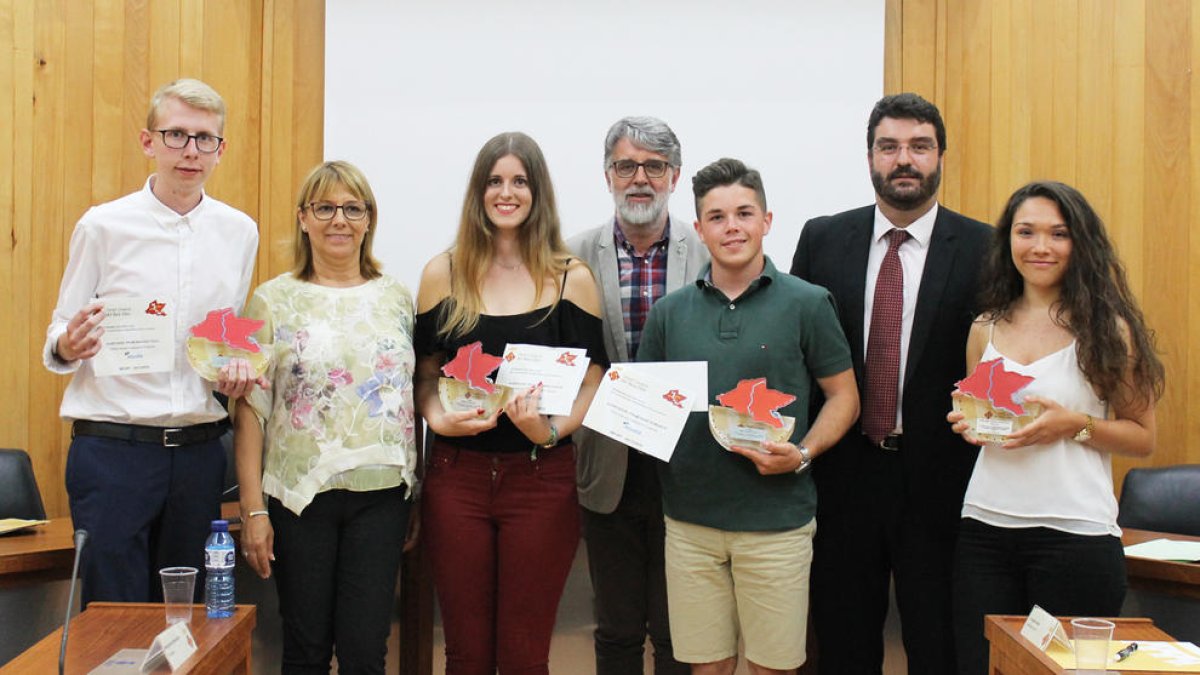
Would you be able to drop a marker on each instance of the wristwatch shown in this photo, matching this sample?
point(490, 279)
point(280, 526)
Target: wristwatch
point(1085, 434)
point(805, 462)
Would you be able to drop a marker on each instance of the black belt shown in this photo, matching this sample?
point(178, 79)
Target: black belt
point(168, 437)
point(890, 442)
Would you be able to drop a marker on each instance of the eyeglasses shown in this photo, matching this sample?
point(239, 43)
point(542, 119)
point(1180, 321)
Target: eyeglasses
point(178, 140)
point(626, 168)
point(917, 148)
point(352, 210)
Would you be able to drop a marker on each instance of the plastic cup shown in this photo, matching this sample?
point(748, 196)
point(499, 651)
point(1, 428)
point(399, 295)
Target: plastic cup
point(1092, 637)
point(178, 585)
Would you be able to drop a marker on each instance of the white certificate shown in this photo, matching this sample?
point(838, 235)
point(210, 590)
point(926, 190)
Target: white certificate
point(646, 408)
point(139, 337)
point(559, 370)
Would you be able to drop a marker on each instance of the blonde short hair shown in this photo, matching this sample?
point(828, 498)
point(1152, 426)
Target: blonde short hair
point(192, 92)
point(320, 183)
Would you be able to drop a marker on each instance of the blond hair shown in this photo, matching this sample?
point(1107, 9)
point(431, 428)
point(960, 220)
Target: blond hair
point(192, 92)
point(319, 184)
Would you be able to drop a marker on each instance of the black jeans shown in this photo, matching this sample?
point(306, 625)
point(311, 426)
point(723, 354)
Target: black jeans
point(625, 558)
point(335, 569)
point(1001, 570)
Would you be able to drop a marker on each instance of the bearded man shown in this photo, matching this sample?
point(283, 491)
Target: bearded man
point(904, 273)
point(639, 255)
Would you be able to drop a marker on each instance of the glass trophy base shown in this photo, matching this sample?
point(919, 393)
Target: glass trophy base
point(457, 395)
point(733, 428)
point(208, 357)
point(991, 425)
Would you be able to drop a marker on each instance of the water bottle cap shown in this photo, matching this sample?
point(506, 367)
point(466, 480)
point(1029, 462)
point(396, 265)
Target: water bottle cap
point(220, 526)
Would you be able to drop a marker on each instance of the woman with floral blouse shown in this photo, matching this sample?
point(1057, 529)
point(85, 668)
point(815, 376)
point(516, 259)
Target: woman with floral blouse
point(326, 456)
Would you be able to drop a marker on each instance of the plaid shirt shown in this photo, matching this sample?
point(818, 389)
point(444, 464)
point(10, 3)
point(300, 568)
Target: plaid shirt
point(643, 280)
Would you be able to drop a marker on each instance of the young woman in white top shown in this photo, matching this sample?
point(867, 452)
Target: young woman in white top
point(1039, 517)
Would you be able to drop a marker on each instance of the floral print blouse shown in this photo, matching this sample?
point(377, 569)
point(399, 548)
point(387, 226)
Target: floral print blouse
point(339, 414)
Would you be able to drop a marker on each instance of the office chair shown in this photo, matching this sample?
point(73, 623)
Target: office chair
point(1163, 499)
point(19, 495)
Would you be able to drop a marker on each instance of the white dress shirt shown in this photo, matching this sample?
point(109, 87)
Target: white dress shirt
point(912, 254)
point(137, 246)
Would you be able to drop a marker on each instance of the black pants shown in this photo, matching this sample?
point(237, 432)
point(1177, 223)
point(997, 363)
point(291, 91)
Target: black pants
point(873, 533)
point(145, 507)
point(335, 570)
point(625, 558)
point(1001, 570)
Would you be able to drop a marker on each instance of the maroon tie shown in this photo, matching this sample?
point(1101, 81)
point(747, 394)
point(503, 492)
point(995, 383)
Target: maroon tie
point(883, 344)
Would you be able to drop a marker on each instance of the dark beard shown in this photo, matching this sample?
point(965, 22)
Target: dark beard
point(905, 201)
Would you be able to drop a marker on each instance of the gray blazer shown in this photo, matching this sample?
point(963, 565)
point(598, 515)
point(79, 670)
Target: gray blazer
point(600, 473)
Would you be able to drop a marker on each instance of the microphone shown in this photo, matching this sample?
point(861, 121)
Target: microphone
point(80, 539)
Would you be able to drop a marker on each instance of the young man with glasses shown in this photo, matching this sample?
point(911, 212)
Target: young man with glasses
point(146, 464)
point(904, 273)
point(638, 255)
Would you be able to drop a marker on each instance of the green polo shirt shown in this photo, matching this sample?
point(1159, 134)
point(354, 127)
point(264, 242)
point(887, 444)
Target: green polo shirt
point(781, 328)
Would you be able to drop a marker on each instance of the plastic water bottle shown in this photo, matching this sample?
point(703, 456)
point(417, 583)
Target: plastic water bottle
point(219, 558)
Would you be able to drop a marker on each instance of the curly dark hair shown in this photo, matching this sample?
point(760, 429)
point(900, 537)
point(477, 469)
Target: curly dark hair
point(1095, 295)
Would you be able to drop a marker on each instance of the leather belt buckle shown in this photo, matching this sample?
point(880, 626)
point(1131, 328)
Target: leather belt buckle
point(167, 440)
point(891, 443)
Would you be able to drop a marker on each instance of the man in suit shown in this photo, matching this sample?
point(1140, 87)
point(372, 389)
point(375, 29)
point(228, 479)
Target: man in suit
point(638, 255)
point(904, 275)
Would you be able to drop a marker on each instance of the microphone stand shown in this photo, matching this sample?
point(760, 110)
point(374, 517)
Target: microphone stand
point(80, 539)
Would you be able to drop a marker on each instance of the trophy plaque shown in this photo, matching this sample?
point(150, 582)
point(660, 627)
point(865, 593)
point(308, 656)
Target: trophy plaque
point(748, 416)
point(221, 337)
point(989, 400)
point(466, 385)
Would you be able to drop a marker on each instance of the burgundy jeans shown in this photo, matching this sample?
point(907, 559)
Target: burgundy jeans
point(501, 530)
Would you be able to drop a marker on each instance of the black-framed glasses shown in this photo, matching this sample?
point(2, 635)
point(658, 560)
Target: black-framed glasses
point(918, 148)
point(327, 210)
point(177, 139)
point(654, 168)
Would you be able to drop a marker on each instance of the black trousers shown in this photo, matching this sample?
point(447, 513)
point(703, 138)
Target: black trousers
point(872, 533)
point(1001, 570)
point(625, 558)
point(145, 507)
point(335, 569)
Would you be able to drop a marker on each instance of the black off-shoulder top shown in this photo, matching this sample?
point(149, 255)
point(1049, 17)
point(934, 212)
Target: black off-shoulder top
point(564, 326)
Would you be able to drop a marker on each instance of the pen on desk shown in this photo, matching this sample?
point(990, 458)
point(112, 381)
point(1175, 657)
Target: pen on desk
point(1124, 653)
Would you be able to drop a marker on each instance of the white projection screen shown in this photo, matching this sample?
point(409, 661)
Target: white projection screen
point(413, 89)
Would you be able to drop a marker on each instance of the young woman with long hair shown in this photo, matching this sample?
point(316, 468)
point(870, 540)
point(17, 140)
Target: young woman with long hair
point(500, 514)
point(1039, 518)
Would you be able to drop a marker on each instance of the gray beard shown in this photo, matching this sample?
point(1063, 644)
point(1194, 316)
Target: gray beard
point(640, 214)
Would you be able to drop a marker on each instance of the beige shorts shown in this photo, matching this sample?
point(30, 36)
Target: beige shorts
point(721, 584)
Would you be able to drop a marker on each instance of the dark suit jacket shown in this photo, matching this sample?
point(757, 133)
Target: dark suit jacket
point(937, 464)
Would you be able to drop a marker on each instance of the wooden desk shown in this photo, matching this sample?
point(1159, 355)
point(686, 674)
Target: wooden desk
point(1160, 576)
point(1012, 654)
point(223, 645)
point(37, 554)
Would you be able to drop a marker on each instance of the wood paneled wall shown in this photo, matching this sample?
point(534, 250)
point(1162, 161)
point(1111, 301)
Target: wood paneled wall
point(1095, 93)
point(75, 80)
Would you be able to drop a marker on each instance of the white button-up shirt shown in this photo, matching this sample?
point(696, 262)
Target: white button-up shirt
point(137, 246)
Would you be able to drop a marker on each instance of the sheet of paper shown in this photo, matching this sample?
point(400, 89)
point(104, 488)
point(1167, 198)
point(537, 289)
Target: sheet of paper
point(124, 662)
point(559, 370)
point(139, 337)
point(642, 410)
point(690, 375)
point(1166, 549)
point(1158, 657)
point(13, 524)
